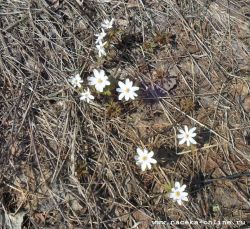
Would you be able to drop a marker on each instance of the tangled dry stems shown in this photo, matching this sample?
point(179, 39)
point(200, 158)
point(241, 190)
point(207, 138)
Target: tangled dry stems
point(70, 165)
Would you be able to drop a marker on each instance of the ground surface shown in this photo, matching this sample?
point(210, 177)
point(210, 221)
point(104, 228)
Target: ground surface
point(67, 164)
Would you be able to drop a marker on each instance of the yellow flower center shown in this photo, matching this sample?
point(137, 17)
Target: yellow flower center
point(144, 158)
point(126, 90)
point(177, 194)
point(99, 81)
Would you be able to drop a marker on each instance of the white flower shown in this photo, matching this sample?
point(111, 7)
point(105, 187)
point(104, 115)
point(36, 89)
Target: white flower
point(76, 80)
point(187, 135)
point(101, 49)
point(107, 24)
point(100, 36)
point(144, 159)
point(99, 80)
point(127, 90)
point(178, 194)
point(86, 95)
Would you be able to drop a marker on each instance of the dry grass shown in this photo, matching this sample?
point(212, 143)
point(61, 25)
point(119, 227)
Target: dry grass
point(70, 165)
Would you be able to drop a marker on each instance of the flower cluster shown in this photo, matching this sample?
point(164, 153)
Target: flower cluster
point(100, 45)
point(144, 159)
point(99, 80)
point(85, 95)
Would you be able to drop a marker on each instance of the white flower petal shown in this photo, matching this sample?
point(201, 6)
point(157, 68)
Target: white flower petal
point(192, 141)
point(172, 195)
point(177, 185)
point(145, 151)
point(92, 79)
point(138, 163)
point(100, 36)
point(132, 97)
point(173, 190)
point(139, 151)
point(153, 161)
point(135, 88)
point(96, 73)
point(151, 154)
point(182, 188)
point(99, 87)
point(102, 75)
point(121, 84)
point(185, 198)
point(134, 94)
point(182, 141)
point(179, 202)
point(107, 24)
point(192, 130)
point(126, 96)
point(181, 135)
point(120, 97)
point(192, 135)
point(181, 131)
point(127, 82)
point(143, 167)
point(184, 194)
